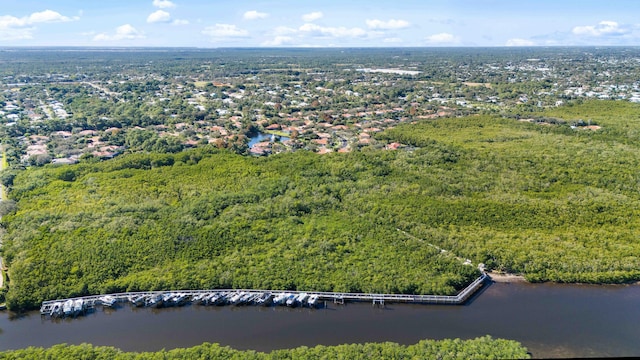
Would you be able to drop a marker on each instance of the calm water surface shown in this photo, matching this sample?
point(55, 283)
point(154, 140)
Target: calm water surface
point(550, 320)
point(265, 137)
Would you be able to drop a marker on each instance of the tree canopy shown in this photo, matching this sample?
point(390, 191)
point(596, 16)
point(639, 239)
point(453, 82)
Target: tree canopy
point(480, 348)
point(552, 202)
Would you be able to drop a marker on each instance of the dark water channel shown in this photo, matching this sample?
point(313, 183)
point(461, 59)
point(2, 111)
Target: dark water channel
point(550, 320)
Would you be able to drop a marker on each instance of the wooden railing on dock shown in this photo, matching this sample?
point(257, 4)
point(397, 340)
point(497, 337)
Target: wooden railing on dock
point(338, 297)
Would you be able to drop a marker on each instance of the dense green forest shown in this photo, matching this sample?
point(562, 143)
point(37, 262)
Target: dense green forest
point(480, 348)
point(203, 219)
point(536, 197)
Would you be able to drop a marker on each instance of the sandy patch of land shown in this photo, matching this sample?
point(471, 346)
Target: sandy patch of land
point(506, 278)
point(474, 84)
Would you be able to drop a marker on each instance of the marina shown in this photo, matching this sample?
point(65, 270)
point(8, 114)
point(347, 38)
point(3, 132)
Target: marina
point(156, 299)
point(544, 317)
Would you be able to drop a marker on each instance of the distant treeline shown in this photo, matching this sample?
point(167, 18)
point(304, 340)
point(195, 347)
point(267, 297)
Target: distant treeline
point(480, 348)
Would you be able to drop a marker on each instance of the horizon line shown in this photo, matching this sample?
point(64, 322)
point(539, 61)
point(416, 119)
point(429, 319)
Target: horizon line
point(310, 47)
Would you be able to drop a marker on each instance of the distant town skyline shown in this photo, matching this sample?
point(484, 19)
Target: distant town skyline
point(329, 23)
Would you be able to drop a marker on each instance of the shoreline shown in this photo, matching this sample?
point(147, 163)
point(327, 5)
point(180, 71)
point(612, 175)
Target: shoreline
point(142, 298)
point(506, 278)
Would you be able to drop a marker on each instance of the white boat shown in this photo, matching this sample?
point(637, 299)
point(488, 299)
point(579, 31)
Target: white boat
point(291, 300)
point(211, 299)
point(236, 297)
point(313, 300)
point(198, 298)
point(302, 298)
point(67, 308)
point(155, 301)
point(107, 300)
point(78, 306)
point(167, 299)
point(179, 299)
point(56, 309)
point(220, 298)
point(247, 298)
point(279, 298)
point(264, 299)
point(138, 300)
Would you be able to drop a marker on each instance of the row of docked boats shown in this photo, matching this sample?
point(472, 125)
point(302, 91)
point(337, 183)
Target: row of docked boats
point(68, 308)
point(218, 298)
point(80, 306)
point(293, 300)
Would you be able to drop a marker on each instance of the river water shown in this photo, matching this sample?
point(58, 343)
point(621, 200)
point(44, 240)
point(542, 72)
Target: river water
point(551, 320)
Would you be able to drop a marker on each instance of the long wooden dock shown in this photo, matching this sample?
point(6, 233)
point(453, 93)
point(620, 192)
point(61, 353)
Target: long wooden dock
point(336, 297)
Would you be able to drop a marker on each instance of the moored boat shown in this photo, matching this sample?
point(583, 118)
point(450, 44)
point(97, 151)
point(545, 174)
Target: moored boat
point(279, 298)
point(247, 298)
point(235, 298)
point(155, 301)
point(218, 298)
point(67, 308)
point(313, 301)
point(56, 309)
point(167, 299)
point(213, 299)
point(290, 300)
point(78, 306)
point(138, 300)
point(107, 300)
point(302, 298)
point(179, 299)
point(264, 299)
point(198, 298)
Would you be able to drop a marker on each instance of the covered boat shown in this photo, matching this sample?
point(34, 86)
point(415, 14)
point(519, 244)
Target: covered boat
point(107, 300)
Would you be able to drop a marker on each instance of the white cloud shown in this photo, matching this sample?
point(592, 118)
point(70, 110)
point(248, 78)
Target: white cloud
point(124, 32)
point(338, 32)
point(179, 22)
point(159, 16)
point(163, 4)
point(7, 22)
point(221, 31)
point(47, 16)
point(442, 38)
point(14, 28)
point(254, 15)
point(387, 25)
point(279, 41)
point(519, 42)
point(312, 16)
point(393, 40)
point(604, 28)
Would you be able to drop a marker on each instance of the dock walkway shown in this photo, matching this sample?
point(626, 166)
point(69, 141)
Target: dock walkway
point(336, 297)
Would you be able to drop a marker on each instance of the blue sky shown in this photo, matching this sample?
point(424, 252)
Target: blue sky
point(298, 23)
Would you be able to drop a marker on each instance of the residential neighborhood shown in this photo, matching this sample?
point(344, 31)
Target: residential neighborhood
point(271, 102)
